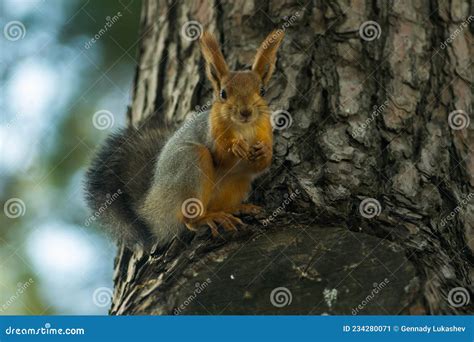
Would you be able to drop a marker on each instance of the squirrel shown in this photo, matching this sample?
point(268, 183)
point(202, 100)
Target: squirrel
point(199, 175)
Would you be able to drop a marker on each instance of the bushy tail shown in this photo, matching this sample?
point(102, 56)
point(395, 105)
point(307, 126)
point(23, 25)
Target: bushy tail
point(118, 179)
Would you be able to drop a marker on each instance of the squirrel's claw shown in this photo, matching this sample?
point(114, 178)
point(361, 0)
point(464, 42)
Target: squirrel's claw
point(240, 148)
point(213, 226)
point(227, 221)
point(258, 151)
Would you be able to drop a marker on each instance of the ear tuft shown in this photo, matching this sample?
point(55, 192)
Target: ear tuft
point(265, 60)
point(216, 67)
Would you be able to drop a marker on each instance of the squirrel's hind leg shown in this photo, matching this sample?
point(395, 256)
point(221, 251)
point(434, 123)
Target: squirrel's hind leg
point(225, 220)
point(204, 217)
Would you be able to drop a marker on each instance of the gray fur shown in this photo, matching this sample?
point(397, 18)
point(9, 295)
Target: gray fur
point(154, 180)
point(177, 177)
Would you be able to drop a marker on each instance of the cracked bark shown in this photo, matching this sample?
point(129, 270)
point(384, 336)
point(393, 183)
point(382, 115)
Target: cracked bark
point(400, 87)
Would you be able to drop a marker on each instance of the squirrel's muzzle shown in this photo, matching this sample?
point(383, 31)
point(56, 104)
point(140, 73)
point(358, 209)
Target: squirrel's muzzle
point(245, 113)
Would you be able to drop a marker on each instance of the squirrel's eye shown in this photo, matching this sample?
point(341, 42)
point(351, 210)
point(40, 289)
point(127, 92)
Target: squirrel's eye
point(223, 94)
point(262, 91)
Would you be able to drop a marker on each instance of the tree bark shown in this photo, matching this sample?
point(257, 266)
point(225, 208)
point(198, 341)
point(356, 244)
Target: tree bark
point(369, 125)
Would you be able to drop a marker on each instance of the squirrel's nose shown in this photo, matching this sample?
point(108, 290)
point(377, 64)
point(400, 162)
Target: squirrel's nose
point(245, 113)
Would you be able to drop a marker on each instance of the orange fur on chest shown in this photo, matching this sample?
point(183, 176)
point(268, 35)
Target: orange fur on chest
point(225, 133)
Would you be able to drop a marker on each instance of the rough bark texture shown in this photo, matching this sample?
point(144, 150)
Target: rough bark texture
point(399, 88)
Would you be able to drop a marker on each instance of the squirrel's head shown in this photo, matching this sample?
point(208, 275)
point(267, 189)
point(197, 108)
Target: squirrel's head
point(240, 94)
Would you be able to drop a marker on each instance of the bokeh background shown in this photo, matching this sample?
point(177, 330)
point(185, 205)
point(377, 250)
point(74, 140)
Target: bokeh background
point(54, 78)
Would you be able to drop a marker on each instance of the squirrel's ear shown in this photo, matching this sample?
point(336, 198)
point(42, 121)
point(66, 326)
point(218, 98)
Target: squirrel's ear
point(216, 67)
point(264, 63)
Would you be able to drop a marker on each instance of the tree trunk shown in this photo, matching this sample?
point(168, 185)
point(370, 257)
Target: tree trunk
point(369, 198)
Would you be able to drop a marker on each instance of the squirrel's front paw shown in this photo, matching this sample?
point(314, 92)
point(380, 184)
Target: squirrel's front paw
point(240, 148)
point(259, 151)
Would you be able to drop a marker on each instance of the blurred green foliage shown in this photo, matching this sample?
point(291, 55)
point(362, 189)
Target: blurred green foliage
point(49, 177)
